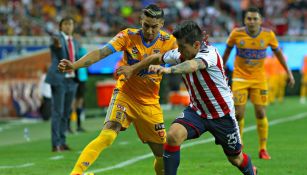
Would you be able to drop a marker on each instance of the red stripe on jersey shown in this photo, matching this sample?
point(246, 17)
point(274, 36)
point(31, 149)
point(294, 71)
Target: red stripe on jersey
point(219, 64)
point(186, 85)
point(215, 92)
point(193, 96)
point(204, 96)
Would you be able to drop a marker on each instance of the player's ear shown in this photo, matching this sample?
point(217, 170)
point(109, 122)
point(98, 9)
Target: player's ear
point(196, 44)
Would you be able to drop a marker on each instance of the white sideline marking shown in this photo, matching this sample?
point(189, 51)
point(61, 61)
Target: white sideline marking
point(145, 156)
point(18, 123)
point(123, 143)
point(17, 166)
point(56, 157)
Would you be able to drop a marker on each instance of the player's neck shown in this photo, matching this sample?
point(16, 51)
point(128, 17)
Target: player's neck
point(253, 32)
point(148, 41)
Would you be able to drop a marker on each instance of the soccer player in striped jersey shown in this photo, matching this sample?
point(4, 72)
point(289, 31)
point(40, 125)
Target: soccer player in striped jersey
point(136, 100)
point(211, 108)
point(249, 78)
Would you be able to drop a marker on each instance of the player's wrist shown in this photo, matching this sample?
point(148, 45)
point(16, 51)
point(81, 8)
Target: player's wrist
point(73, 67)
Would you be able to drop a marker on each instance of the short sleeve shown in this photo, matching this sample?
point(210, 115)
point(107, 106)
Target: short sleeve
point(273, 42)
point(231, 39)
point(171, 57)
point(119, 42)
point(208, 56)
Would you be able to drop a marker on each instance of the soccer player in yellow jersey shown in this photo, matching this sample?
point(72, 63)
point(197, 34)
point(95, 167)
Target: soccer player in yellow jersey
point(135, 100)
point(249, 76)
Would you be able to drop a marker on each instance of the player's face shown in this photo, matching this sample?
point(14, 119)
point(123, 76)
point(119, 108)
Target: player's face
point(67, 27)
point(188, 51)
point(253, 21)
point(151, 27)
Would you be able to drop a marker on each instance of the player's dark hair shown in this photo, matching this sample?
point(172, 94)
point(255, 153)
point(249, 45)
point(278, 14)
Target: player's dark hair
point(68, 18)
point(189, 31)
point(153, 11)
point(253, 10)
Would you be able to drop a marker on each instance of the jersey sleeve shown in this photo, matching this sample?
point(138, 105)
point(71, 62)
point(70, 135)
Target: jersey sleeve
point(231, 39)
point(119, 42)
point(171, 57)
point(209, 57)
point(273, 42)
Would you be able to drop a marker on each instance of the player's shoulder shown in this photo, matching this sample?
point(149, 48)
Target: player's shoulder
point(206, 50)
point(165, 36)
point(238, 32)
point(131, 31)
point(268, 30)
point(239, 29)
point(210, 48)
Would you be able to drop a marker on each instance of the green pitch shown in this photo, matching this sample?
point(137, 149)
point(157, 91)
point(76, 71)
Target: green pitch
point(128, 156)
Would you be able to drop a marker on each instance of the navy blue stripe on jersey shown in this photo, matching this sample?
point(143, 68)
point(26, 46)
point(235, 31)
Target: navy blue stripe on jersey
point(251, 53)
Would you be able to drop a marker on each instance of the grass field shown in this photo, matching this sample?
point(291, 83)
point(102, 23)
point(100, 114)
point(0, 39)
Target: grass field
point(128, 156)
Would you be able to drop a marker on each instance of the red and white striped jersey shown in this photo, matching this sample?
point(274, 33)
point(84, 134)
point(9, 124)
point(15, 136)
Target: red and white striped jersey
point(210, 94)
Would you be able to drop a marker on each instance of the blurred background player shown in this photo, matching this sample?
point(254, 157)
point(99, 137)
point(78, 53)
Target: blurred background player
point(63, 86)
point(276, 79)
point(303, 92)
point(248, 78)
point(135, 100)
point(270, 72)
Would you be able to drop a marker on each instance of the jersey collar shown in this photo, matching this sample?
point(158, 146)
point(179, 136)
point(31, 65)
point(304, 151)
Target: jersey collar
point(253, 36)
point(151, 43)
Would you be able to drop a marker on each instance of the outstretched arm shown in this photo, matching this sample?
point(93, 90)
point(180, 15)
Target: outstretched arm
point(87, 60)
point(282, 61)
point(182, 68)
point(128, 71)
point(226, 55)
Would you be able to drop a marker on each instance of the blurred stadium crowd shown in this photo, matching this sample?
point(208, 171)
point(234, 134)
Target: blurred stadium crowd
point(107, 17)
point(29, 22)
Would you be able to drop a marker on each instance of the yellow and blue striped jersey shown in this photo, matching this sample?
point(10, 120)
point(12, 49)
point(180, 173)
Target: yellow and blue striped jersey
point(145, 86)
point(251, 52)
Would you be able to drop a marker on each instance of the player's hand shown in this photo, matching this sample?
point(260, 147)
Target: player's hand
point(159, 69)
point(127, 71)
point(56, 41)
point(65, 65)
point(205, 37)
point(291, 80)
